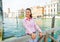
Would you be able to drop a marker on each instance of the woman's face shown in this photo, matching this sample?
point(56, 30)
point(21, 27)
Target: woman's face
point(28, 13)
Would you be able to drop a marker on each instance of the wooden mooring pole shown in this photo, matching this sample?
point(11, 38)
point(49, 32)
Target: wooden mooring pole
point(46, 37)
point(52, 26)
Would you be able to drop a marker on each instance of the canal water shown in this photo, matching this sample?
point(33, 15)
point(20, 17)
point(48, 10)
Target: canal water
point(14, 28)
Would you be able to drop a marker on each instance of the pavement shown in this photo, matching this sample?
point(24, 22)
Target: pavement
point(18, 39)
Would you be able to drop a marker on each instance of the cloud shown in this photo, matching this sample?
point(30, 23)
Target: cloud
point(18, 4)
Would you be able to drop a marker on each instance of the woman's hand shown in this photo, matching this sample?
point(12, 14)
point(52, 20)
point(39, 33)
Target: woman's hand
point(33, 36)
point(40, 34)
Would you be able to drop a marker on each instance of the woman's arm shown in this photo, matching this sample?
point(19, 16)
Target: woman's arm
point(37, 27)
point(40, 32)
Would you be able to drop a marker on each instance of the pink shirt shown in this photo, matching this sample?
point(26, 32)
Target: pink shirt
point(30, 26)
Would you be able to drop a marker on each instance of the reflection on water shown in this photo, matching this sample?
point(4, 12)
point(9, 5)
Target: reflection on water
point(0, 28)
point(14, 27)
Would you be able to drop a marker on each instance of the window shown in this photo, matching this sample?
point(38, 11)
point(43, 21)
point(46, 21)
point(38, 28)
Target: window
point(54, 9)
point(54, 5)
point(51, 10)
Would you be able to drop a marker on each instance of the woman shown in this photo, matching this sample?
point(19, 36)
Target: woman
point(30, 26)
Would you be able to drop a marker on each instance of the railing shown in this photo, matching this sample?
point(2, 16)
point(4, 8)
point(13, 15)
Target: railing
point(47, 33)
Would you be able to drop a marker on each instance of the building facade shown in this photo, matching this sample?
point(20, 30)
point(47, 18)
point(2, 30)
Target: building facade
point(37, 11)
point(52, 8)
point(21, 13)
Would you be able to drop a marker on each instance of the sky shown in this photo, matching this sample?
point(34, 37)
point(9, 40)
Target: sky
point(18, 4)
